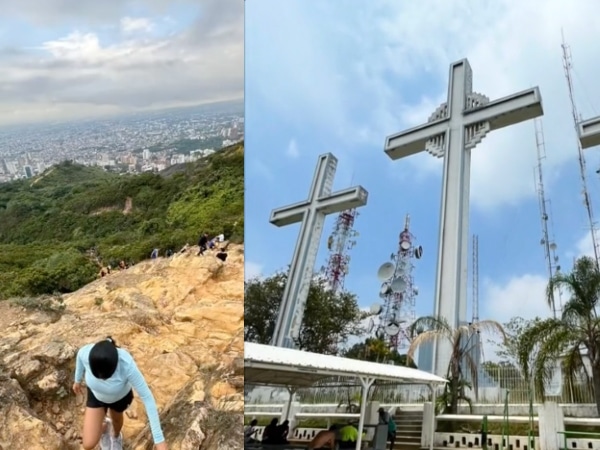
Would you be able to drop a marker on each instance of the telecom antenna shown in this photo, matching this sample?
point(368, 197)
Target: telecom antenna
point(475, 279)
point(567, 65)
point(340, 242)
point(547, 241)
point(398, 292)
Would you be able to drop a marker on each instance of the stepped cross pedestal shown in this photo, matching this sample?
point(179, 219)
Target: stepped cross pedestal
point(311, 215)
point(589, 132)
point(455, 128)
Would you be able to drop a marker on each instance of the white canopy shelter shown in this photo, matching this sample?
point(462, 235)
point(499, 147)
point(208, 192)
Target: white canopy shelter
point(278, 366)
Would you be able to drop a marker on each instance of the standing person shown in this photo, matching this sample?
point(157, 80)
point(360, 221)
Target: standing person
point(110, 375)
point(154, 254)
point(384, 417)
point(202, 243)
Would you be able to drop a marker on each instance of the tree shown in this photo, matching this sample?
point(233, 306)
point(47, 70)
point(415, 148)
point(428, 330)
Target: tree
point(376, 350)
point(570, 338)
point(329, 318)
point(428, 329)
point(508, 350)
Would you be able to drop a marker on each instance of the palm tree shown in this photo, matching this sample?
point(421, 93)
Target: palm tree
point(463, 344)
point(569, 337)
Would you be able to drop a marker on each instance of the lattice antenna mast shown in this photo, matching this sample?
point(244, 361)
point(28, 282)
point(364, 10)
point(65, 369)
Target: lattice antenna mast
point(339, 243)
point(567, 65)
point(547, 241)
point(475, 279)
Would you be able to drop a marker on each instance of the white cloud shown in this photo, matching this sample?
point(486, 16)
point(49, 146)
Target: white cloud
point(99, 71)
point(292, 149)
point(252, 270)
point(395, 45)
point(135, 25)
point(585, 245)
point(523, 296)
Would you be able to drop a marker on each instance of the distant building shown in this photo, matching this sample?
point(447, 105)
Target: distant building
point(28, 171)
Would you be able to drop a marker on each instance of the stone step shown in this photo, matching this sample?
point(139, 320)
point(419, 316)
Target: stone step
point(409, 426)
point(408, 435)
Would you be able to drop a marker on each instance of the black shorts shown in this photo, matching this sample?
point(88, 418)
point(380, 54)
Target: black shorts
point(119, 406)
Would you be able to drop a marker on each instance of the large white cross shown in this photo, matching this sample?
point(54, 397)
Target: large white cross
point(589, 132)
point(455, 128)
point(311, 214)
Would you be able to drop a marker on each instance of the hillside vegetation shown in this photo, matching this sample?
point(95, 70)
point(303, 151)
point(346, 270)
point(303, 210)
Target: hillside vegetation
point(56, 228)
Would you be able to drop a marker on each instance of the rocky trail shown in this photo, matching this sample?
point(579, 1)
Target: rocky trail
point(182, 320)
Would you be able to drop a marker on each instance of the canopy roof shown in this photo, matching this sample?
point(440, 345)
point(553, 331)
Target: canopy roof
point(277, 366)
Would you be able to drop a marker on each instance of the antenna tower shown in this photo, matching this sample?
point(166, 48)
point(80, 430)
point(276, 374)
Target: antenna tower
point(547, 240)
point(398, 292)
point(567, 65)
point(475, 279)
point(341, 240)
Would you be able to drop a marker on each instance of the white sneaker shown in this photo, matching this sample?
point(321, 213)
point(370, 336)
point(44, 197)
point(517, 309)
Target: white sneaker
point(105, 443)
point(117, 442)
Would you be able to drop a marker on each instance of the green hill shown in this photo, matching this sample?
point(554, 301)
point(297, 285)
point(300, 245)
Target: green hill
point(55, 227)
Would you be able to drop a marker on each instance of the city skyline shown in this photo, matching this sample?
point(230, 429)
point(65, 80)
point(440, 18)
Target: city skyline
point(62, 61)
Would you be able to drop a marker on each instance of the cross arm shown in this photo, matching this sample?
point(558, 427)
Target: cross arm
point(589, 132)
point(413, 140)
point(288, 215)
point(507, 111)
point(339, 201)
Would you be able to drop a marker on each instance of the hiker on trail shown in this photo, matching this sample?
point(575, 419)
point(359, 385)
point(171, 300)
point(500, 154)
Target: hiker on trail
point(154, 254)
point(384, 417)
point(169, 253)
point(202, 243)
point(110, 375)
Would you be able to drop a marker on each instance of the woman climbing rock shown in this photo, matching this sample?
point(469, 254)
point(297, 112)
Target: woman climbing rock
point(110, 375)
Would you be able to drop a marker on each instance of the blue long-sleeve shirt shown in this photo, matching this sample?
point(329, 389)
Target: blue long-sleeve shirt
point(126, 376)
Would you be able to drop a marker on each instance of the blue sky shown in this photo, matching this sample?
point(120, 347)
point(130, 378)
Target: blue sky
point(339, 77)
point(64, 59)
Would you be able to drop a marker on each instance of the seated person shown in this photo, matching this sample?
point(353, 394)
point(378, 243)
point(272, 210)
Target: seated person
point(250, 431)
point(348, 435)
point(281, 433)
point(324, 439)
point(270, 433)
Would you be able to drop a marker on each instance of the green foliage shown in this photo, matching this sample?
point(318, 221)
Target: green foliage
point(376, 350)
point(462, 365)
point(57, 229)
point(47, 303)
point(508, 350)
point(329, 318)
point(570, 338)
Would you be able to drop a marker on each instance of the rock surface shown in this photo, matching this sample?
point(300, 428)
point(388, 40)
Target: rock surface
point(181, 319)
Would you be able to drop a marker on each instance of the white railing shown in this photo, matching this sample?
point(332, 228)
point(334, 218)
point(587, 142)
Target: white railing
point(490, 391)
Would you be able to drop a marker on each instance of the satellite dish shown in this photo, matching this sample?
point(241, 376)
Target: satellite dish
point(405, 245)
point(398, 285)
point(370, 326)
point(392, 329)
point(553, 246)
point(386, 271)
point(416, 290)
point(385, 290)
point(375, 309)
point(379, 333)
point(418, 252)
